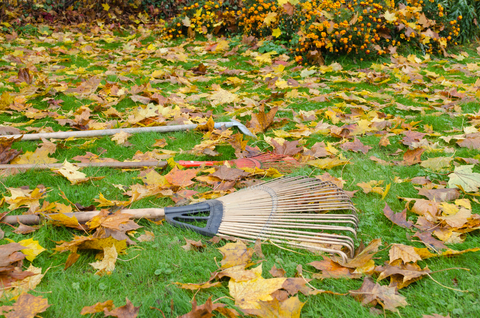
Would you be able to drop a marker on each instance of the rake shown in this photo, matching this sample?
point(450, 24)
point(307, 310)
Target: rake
point(290, 211)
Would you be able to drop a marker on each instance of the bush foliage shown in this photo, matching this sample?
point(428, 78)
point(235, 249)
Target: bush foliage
point(308, 29)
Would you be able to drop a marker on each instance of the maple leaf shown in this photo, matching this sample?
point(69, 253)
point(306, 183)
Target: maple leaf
point(328, 163)
point(107, 264)
point(26, 306)
point(193, 245)
point(287, 148)
point(440, 195)
point(146, 237)
point(229, 174)
point(261, 121)
point(331, 269)
point(235, 254)
point(126, 311)
point(98, 307)
point(277, 272)
point(290, 308)
point(356, 146)
point(464, 178)
point(471, 143)
point(238, 273)
point(363, 256)
point(437, 164)
point(39, 156)
point(399, 219)
point(372, 294)
point(205, 310)
point(411, 157)
point(401, 275)
point(28, 283)
point(181, 178)
point(72, 173)
point(199, 286)
point(404, 252)
point(248, 294)
point(7, 154)
point(31, 248)
point(121, 138)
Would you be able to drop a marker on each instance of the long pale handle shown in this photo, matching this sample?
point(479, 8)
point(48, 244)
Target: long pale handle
point(82, 217)
point(126, 165)
point(105, 132)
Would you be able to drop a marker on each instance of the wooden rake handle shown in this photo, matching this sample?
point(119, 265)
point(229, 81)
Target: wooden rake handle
point(82, 217)
point(124, 165)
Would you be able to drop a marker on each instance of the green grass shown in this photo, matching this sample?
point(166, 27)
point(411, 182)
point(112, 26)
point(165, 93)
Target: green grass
point(146, 274)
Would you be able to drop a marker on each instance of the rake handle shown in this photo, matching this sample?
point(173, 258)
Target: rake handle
point(82, 217)
point(135, 164)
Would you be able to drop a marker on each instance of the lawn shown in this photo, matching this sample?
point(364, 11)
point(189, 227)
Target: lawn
point(397, 134)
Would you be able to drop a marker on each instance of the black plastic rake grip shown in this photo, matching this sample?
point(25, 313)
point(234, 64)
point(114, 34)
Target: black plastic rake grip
point(178, 216)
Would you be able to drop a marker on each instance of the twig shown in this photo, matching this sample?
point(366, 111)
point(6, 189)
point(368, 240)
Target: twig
point(463, 291)
point(158, 310)
point(447, 269)
point(128, 260)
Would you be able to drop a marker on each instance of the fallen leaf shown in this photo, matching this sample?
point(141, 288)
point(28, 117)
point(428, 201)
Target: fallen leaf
point(7, 154)
point(399, 219)
point(126, 311)
point(195, 287)
point(401, 275)
point(248, 294)
point(328, 163)
point(464, 178)
point(235, 254)
point(26, 306)
point(290, 308)
point(356, 146)
point(411, 157)
point(404, 252)
point(372, 294)
point(107, 264)
point(181, 178)
point(98, 307)
point(331, 269)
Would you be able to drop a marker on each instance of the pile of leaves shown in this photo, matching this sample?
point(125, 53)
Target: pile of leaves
point(400, 136)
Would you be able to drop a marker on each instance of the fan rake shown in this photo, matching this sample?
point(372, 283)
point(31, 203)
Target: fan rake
point(289, 211)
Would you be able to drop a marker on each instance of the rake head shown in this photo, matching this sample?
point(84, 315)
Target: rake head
point(293, 211)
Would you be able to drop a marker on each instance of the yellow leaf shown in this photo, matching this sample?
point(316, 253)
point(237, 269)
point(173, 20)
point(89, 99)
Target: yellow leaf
point(71, 172)
point(390, 16)
point(270, 18)
point(276, 32)
point(221, 46)
point(327, 163)
point(249, 293)
point(105, 6)
point(32, 248)
point(107, 264)
point(26, 284)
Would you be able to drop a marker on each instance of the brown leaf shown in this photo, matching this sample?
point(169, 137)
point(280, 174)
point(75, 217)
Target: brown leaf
point(9, 254)
point(229, 174)
point(25, 229)
point(430, 241)
point(356, 146)
point(328, 177)
point(411, 157)
point(181, 178)
point(203, 311)
point(363, 256)
point(6, 152)
point(401, 275)
point(471, 143)
point(331, 269)
point(261, 120)
point(193, 245)
point(288, 148)
point(277, 272)
point(440, 195)
point(126, 311)
point(98, 307)
point(372, 294)
point(5, 130)
point(318, 150)
point(27, 306)
point(399, 219)
point(435, 316)
point(201, 69)
point(411, 137)
point(24, 76)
